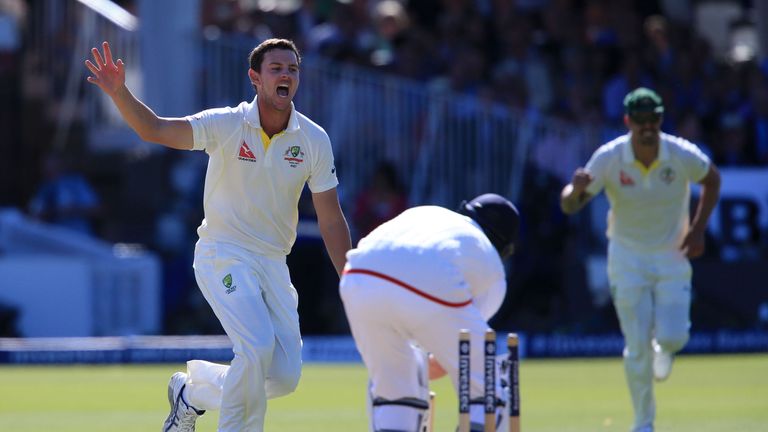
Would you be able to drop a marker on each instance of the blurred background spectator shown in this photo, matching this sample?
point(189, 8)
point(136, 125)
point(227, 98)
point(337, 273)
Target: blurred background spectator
point(382, 200)
point(65, 197)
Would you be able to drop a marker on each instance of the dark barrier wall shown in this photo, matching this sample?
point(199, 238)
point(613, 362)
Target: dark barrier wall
point(729, 294)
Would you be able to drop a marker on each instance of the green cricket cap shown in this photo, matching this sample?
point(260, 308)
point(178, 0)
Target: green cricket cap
point(643, 100)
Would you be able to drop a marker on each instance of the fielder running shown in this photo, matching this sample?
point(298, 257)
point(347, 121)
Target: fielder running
point(646, 176)
point(261, 155)
point(419, 279)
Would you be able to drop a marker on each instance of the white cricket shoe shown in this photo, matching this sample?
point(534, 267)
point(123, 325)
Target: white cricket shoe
point(662, 363)
point(183, 415)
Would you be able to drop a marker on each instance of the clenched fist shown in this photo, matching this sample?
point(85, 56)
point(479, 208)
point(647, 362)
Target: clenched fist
point(580, 180)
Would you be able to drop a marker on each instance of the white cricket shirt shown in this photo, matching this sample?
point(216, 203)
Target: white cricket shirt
point(251, 194)
point(649, 207)
point(439, 252)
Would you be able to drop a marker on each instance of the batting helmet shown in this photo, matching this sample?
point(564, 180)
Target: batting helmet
point(498, 218)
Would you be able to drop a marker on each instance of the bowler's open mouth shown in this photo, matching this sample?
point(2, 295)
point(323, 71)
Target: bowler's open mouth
point(283, 90)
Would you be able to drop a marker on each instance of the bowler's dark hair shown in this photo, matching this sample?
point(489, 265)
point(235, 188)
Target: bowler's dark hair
point(257, 55)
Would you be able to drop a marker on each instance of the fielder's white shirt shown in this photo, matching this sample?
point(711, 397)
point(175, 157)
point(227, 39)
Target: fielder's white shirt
point(649, 207)
point(439, 252)
point(251, 194)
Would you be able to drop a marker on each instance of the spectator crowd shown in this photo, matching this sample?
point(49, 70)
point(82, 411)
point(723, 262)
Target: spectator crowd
point(568, 59)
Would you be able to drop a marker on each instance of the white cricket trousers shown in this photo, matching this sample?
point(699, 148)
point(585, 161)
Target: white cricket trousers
point(253, 298)
point(385, 319)
point(652, 295)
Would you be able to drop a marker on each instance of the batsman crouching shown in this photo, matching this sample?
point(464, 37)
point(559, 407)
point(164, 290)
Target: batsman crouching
point(418, 280)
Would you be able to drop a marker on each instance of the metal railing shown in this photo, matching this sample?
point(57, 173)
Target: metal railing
point(60, 36)
point(446, 146)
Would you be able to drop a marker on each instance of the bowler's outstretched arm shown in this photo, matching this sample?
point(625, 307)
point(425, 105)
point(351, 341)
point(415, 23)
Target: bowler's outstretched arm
point(110, 77)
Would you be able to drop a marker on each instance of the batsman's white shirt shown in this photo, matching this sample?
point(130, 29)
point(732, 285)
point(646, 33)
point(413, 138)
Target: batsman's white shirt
point(649, 207)
point(251, 194)
point(440, 253)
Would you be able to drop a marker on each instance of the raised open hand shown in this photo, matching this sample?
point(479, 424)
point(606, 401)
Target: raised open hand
point(107, 74)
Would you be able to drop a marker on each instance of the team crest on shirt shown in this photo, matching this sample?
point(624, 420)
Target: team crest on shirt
point(294, 156)
point(667, 175)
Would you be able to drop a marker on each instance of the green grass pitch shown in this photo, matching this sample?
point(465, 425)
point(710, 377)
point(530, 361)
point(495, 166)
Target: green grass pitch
point(704, 393)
